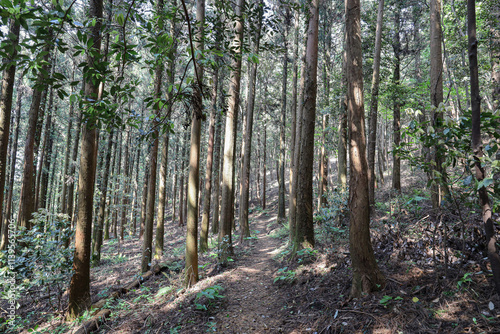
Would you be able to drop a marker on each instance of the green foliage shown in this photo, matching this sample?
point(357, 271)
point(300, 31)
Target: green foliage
point(386, 300)
point(206, 299)
point(306, 255)
point(285, 276)
point(464, 281)
point(452, 140)
point(42, 260)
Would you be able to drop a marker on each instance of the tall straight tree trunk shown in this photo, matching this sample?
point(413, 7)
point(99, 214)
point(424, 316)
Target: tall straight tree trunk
point(13, 159)
point(174, 187)
point(293, 107)
point(366, 274)
point(117, 192)
point(372, 140)
point(5, 112)
point(436, 94)
point(79, 290)
point(225, 238)
point(205, 219)
point(162, 190)
point(342, 153)
point(45, 166)
point(217, 158)
point(281, 160)
point(264, 172)
point(153, 157)
point(292, 208)
point(396, 120)
point(247, 146)
point(126, 183)
point(27, 202)
point(477, 149)
point(181, 181)
point(304, 211)
point(96, 253)
point(194, 154)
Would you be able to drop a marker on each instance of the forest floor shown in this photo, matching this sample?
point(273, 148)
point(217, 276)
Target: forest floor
point(438, 280)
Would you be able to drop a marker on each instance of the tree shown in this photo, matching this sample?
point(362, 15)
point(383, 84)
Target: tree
point(477, 146)
point(226, 220)
point(372, 141)
point(8, 78)
point(247, 144)
point(366, 274)
point(27, 202)
point(160, 227)
point(284, 80)
point(79, 290)
point(194, 154)
point(304, 209)
point(153, 156)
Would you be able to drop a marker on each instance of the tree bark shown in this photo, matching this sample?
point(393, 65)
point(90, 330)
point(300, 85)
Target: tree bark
point(372, 141)
point(225, 238)
point(247, 145)
point(477, 146)
point(205, 220)
point(79, 291)
point(396, 120)
point(304, 210)
point(366, 274)
point(194, 154)
point(8, 78)
point(436, 96)
point(27, 202)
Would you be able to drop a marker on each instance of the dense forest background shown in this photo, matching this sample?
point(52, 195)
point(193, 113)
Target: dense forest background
point(345, 154)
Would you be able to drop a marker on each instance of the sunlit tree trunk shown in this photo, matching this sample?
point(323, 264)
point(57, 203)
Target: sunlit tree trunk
point(194, 155)
point(436, 88)
point(225, 238)
point(372, 141)
point(366, 274)
point(153, 157)
point(79, 291)
point(304, 209)
point(205, 220)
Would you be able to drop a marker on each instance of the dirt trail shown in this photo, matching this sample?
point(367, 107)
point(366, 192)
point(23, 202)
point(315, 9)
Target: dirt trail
point(253, 302)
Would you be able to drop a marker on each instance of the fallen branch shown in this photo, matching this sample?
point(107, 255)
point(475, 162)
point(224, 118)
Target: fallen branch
point(93, 324)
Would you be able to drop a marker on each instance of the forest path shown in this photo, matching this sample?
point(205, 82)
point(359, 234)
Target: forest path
point(253, 304)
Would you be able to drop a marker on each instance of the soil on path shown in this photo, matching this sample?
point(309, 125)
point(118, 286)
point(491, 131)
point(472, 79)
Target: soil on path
point(253, 302)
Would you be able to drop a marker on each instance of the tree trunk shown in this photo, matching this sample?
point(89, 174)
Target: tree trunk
point(304, 210)
point(366, 274)
point(217, 159)
point(45, 166)
point(79, 291)
point(153, 157)
point(489, 225)
point(225, 238)
point(96, 256)
point(194, 154)
point(205, 220)
point(13, 159)
point(247, 145)
point(372, 141)
point(396, 120)
point(8, 78)
point(436, 94)
point(27, 202)
point(292, 208)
